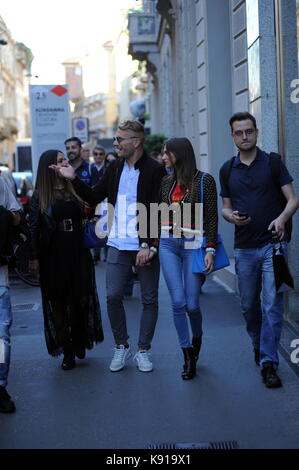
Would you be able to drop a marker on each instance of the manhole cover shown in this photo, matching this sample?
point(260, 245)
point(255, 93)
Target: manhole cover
point(24, 307)
point(197, 445)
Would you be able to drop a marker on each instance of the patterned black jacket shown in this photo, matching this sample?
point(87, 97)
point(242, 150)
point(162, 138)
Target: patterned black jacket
point(187, 224)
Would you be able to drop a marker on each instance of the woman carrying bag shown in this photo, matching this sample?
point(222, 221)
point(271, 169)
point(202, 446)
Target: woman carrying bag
point(72, 316)
point(179, 229)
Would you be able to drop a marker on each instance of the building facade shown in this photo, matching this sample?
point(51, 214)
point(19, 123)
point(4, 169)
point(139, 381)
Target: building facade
point(104, 82)
point(14, 100)
point(210, 58)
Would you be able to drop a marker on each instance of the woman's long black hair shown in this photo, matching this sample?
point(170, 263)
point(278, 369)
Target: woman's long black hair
point(46, 179)
point(185, 163)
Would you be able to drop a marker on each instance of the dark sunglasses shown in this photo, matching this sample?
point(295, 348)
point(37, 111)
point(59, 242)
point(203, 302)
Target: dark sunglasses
point(98, 153)
point(120, 139)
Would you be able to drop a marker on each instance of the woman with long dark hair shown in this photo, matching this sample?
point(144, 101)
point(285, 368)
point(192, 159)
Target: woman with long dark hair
point(72, 316)
point(179, 228)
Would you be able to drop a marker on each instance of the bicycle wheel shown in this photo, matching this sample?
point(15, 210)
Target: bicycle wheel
point(21, 264)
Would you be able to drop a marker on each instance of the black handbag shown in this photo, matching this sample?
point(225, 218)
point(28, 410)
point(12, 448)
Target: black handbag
point(283, 279)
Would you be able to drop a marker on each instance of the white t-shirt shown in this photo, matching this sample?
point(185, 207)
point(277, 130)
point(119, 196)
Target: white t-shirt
point(8, 201)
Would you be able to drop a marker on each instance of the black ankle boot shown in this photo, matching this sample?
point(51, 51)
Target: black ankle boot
point(189, 369)
point(196, 343)
point(80, 352)
point(68, 359)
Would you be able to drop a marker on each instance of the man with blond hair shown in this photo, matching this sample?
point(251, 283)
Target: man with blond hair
point(131, 181)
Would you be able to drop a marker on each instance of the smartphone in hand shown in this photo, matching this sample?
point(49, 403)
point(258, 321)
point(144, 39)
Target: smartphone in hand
point(243, 214)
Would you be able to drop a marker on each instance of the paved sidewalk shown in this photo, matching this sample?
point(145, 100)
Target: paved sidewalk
point(91, 408)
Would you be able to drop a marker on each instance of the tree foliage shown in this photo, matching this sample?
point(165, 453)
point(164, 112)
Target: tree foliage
point(153, 142)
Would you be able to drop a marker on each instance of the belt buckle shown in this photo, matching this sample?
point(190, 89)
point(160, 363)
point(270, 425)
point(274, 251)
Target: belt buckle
point(67, 225)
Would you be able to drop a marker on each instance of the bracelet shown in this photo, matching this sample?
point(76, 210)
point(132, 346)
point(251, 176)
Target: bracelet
point(144, 245)
point(211, 250)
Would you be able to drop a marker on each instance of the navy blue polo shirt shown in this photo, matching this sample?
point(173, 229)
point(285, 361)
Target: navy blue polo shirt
point(252, 189)
point(83, 172)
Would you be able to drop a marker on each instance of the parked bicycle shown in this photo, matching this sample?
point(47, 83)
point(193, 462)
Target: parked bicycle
point(19, 263)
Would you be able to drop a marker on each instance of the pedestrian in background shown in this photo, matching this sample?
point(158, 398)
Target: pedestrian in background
point(85, 152)
point(252, 202)
point(180, 189)
point(110, 157)
point(73, 147)
point(132, 178)
point(72, 316)
point(9, 216)
point(97, 168)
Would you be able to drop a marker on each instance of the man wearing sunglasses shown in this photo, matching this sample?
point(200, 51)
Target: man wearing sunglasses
point(132, 179)
point(98, 166)
point(252, 185)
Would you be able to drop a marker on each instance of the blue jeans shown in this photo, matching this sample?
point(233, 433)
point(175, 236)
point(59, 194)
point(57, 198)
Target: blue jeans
point(5, 323)
point(261, 306)
point(184, 287)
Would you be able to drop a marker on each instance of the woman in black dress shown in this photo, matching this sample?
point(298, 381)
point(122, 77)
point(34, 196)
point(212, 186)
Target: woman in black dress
point(72, 316)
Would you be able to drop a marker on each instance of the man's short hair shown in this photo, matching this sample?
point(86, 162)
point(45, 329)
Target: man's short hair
point(73, 139)
point(242, 116)
point(99, 147)
point(134, 126)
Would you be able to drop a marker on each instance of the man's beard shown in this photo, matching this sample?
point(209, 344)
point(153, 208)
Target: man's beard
point(72, 156)
point(127, 156)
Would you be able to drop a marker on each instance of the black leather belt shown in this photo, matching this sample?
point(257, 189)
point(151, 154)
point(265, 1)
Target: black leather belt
point(68, 225)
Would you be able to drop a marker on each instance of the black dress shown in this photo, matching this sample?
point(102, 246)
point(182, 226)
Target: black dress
point(72, 315)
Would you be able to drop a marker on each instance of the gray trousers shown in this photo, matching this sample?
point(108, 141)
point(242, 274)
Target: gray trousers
point(118, 271)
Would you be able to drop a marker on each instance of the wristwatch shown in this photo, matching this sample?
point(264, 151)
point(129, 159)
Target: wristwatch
point(153, 249)
point(144, 245)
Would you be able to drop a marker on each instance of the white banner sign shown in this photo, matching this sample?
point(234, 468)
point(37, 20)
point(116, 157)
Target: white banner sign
point(50, 119)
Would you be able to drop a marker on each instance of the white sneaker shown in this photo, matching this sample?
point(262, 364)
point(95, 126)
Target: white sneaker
point(143, 362)
point(121, 355)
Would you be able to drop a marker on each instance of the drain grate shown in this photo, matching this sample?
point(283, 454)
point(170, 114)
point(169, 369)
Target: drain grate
point(197, 445)
point(24, 307)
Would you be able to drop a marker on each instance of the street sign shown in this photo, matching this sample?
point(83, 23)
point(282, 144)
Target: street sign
point(50, 119)
point(80, 129)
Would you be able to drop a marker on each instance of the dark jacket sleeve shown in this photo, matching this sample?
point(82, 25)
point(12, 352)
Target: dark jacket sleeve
point(6, 225)
point(210, 212)
point(34, 225)
point(158, 175)
point(92, 195)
